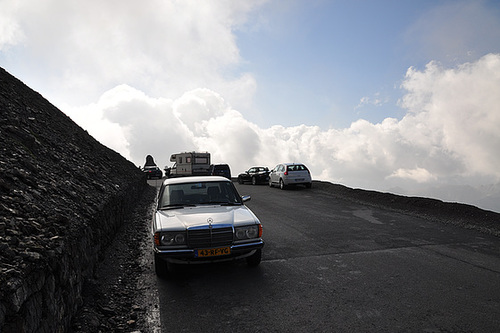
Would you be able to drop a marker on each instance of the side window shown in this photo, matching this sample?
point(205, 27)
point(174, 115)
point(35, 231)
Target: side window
point(188, 159)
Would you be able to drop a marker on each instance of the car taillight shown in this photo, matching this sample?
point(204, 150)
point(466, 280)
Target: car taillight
point(286, 173)
point(260, 230)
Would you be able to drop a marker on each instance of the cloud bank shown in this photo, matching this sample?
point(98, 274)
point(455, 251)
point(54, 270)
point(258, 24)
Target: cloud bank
point(160, 77)
point(75, 50)
point(449, 136)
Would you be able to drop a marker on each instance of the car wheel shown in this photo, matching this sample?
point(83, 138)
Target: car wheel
point(254, 259)
point(240, 181)
point(161, 268)
point(254, 181)
point(282, 184)
point(308, 185)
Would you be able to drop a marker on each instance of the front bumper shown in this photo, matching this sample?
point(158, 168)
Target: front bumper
point(187, 256)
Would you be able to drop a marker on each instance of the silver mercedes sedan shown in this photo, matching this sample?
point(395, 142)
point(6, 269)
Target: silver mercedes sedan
point(203, 219)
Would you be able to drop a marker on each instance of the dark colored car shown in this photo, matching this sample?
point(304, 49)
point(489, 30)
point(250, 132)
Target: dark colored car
point(220, 170)
point(152, 171)
point(254, 175)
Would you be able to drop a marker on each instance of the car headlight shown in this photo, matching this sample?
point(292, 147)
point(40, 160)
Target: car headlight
point(248, 232)
point(170, 238)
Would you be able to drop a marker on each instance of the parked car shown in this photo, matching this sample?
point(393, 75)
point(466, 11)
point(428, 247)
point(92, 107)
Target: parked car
point(286, 174)
point(203, 219)
point(220, 170)
point(152, 171)
point(254, 175)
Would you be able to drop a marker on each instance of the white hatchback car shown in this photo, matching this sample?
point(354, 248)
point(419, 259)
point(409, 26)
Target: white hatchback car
point(203, 219)
point(286, 174)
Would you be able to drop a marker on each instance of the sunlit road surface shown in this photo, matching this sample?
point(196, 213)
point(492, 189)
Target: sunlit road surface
point(336, 266)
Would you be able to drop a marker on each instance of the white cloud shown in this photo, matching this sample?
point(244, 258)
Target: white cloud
point(449, 135)
point(375, 100)
point(419, 175)
point(10, 30)
point(164, 82)
point(459, 109)
point(163, 47)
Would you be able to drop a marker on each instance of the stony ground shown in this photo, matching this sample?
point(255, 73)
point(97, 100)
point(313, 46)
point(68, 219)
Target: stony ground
point(111, 301)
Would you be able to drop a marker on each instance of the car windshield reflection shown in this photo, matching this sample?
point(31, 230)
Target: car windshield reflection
point(199, 193)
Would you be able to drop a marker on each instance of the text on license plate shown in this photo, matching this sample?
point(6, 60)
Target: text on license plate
point(220, 251)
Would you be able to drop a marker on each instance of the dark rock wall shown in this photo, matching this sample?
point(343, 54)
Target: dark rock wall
point(62, 197)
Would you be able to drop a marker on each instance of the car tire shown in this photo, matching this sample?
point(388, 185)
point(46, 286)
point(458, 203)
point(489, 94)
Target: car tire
point(308, 185)
point(255, 259)
point(240, 180)
point(161, 268)
point(254, 181)
point(282, 185)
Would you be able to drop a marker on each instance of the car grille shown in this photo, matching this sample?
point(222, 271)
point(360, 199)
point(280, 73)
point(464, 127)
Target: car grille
point(202, 237)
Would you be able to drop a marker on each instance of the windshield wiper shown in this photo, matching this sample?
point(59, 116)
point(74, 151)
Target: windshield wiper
point(173, 206)
point(222, 203)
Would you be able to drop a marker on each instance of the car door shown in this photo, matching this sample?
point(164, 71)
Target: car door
point(250, 173)
point(273, 176)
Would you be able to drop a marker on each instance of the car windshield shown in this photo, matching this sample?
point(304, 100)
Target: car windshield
point(199, 193)
point(297, 167)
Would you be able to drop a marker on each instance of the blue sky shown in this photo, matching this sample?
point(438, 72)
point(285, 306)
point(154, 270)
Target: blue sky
point(316, 60)
point(399, 96)
point(327, 57)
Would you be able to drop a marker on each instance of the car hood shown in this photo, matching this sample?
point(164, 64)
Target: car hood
point(177, 219)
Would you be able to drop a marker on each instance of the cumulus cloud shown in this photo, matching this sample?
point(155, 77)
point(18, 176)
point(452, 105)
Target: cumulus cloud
point(156, 86)
point(10, 30)
point(163, 47)
point(448, 136)
point(460, 106)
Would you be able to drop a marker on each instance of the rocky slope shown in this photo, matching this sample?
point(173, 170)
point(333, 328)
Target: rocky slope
point(63, 195)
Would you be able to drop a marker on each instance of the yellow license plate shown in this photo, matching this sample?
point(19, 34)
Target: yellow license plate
point(220, 251)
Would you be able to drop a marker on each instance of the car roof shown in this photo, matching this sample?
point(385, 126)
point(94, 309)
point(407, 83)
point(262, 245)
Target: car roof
point(292, 163)
point(195, 179)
